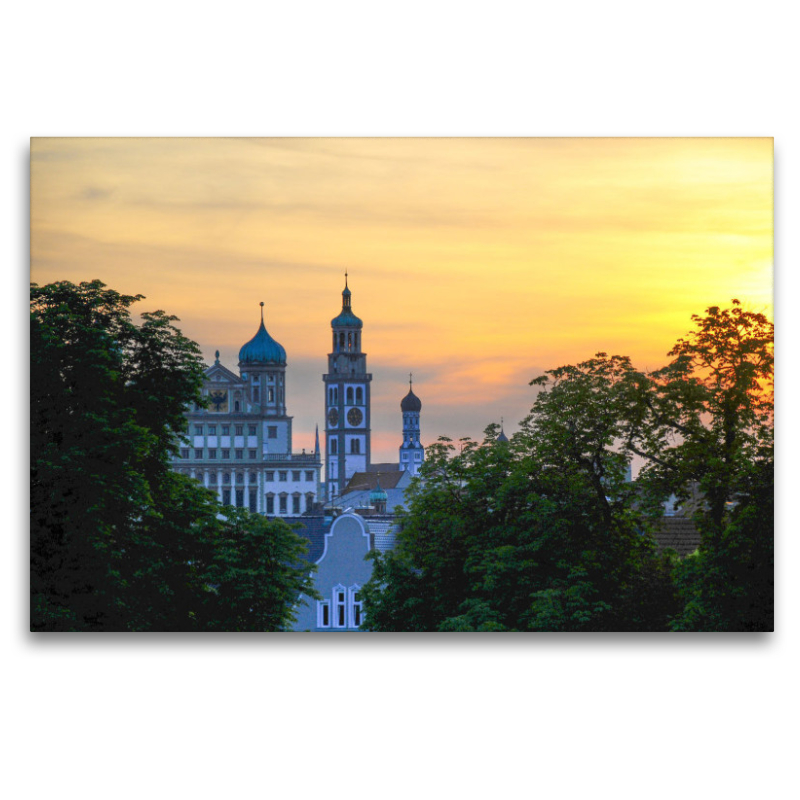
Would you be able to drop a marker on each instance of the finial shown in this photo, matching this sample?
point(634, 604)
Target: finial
point(345, 279)
point(216, 356)
point(262, 310)
point(410, 383)
point(501, 422)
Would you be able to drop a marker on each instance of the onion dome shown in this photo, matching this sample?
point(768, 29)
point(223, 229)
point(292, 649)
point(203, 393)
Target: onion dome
point(378, 494)
point(346, 319)
point(501, 437)
point(262, 348)
point(410, 402)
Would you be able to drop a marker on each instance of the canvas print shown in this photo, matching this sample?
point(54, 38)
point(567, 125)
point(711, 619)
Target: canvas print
point(401, 385)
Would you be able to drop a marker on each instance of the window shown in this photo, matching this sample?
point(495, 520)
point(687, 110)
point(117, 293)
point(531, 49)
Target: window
point(240, 497)
point(309, 502)
point(282, 476)
point(198, 430)
point(184, 452)
point(212, 477)
point(212, 453)
point(270, 395)
point(236, 406)
point(252, 501)
point(226, 477)
point(323, 614)
point(198, 453)
point(226, 430)
point(359, 396)
point(270, 504)
point(355, 606)
point(256, 395)
point(282, 504)
point(226, 453)
point(239, 477)
point(272, 432)
point(334, 446)
point(405, 456)
point(251, 454)
point(239, 454)
point(355, 446)
point(239, 430)
point(296, 475)
point(309, 475)
point(340, 608)
point(417, 456)
point(349, 400)
point(251, 477)
point(212, 430)
point(270, 476)
point(251, 430)
point(296, 504)
point(226, 497)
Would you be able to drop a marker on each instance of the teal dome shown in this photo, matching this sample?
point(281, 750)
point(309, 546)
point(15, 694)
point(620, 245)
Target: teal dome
point(378, 495)
point(262, 349)
point(347, 319)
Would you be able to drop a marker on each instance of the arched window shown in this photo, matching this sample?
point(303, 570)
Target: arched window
point(349, 341)
point(341, 340)
point(355, 446)
point(334, 446)
point(349, 395)
point(270, 395)
point(236, 405)
point(359, 396)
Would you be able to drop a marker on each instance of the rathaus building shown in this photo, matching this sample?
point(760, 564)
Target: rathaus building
point(240, 444)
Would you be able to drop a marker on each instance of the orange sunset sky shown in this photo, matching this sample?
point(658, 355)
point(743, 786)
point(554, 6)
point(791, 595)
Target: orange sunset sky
point(474, 263)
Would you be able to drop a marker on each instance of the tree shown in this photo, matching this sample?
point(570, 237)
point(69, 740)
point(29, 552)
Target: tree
point(118, 540)
point(708, 423)
point(546, 532)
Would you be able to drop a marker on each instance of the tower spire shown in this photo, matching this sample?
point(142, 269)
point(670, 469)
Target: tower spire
point(262, 311)
point(316, 441)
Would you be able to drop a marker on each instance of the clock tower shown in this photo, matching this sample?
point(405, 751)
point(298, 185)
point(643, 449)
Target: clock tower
point(347, 401)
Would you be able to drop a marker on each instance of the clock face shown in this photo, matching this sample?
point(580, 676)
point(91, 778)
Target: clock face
point(354, 416)
point(333, 417)
point(219, 400)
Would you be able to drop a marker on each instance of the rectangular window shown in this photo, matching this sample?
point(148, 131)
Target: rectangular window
point(226, 453)
point(251, 454)
point(251, 430)
point(323, 614)
point(226, 429)
point(309, 475)
point(252, 501)
point(240, 477)
point(295, 474)
point(283, 504)
point(240, 497)
point(198, 452)
point(295, 505)
point(212, 453)
point(270, 504)
point(198, 430)
point(269, 476)
point(272, 431)
point(184, 452)
point(226, 497)
point(356, 621)
point(282, 476)
point(239, 430)
point(240, 454)
point(212, 430)
point(340, 610)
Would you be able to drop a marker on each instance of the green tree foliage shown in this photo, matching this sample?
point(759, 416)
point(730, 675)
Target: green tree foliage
point(118, 540)
point(546, 533)
point(708, 423)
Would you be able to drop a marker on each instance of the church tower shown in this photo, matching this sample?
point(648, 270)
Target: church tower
point(412, 453)
point(347, 401)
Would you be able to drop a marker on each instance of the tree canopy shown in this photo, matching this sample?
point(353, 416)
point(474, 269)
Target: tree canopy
point(546, 532)
point(118, 540)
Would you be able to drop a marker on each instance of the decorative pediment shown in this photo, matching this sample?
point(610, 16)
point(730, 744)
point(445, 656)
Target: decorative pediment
point(220, 375)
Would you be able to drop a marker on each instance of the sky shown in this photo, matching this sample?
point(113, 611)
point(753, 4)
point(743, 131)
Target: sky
point(475, 264)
